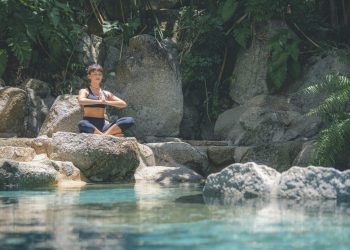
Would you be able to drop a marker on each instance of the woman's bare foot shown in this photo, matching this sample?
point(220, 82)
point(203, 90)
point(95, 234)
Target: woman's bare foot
point(114, 129)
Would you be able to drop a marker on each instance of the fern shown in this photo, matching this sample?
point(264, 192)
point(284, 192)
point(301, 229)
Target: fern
point(334, 142)
point(21, 48)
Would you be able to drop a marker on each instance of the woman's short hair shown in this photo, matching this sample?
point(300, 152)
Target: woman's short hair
point(94, 67)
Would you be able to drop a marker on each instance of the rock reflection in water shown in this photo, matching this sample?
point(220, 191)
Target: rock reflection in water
point(267, 213)
point(33, 217)
point(125, 217)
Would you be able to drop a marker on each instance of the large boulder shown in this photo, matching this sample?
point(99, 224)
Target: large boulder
point(12, 111)
point(279, 156)
point(162, 174)
point(179, 154)
point(37, 173)
point(241, 181)
point(149, 80)
point(265, 119)
point(89, 49)
point(249, 76)
point(101, 158)
point(314, 183)
point(315, 71)
point(39, 102)
point(64, 115)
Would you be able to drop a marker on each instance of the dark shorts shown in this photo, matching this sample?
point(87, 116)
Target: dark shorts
point(88, 124)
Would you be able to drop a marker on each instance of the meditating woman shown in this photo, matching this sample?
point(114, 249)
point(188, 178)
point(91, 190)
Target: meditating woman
point(94, 100)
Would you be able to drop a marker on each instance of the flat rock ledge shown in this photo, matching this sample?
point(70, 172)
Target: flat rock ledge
point(38, 174)
point(250, 180)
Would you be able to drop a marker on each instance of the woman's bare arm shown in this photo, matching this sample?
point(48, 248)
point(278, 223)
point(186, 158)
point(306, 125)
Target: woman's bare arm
point(114, 101)
point(83, 100)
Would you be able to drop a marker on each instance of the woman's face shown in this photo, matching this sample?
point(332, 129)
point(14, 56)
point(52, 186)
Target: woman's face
point(95, 77)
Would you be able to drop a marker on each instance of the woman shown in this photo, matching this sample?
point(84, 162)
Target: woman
point(94, 100)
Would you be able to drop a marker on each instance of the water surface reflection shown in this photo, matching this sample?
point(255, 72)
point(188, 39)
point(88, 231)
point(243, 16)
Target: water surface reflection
point(146, 216)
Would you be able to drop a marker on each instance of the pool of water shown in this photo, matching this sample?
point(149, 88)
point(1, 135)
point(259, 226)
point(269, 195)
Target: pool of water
point(145, 216)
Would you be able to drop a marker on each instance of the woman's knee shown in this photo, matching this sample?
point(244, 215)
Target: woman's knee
point(86, 127)
point(125, 122)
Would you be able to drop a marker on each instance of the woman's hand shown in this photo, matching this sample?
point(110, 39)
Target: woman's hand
point(103, 98)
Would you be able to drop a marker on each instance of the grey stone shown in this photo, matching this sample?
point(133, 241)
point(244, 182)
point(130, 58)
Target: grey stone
point(36, 173)
point(314, 183)
point(253, 125)
point(101, 158)
point(12, 111)
point(149, 80)
point(147, 155)
point(89, 49)
point(241, 181)
point(220, 155)
point(162, 174)
point(249, 76)
point(279, 156)
point(207, 143)
point(174, 154)
point(39, 102)
point(306, 155)
point(17, 153)
point(314, 73)
point(64, 115)
point(265, 119)
point(16, 142)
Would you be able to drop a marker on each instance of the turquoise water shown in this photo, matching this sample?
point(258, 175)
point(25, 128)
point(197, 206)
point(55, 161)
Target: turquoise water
point(145, 216)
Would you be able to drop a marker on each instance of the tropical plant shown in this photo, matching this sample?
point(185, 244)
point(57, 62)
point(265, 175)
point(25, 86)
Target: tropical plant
point(334, 142)
point(284, 61)
point(39, 32)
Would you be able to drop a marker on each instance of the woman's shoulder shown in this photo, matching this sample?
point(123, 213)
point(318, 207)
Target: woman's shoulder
point(84, 90)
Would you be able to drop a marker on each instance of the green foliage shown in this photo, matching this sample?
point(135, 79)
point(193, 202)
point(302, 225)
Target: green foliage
point(334, 142)
point(242, 34)
point(38, 33)
point(284, 61)
point(201, 42)
point(127, 29)
point(3, 61)
point(228, 9)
